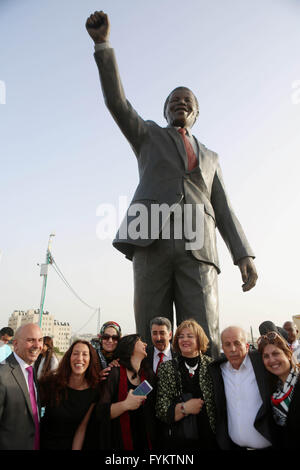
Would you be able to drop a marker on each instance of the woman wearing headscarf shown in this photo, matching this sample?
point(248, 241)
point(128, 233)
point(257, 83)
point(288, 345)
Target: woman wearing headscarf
point(109, 336)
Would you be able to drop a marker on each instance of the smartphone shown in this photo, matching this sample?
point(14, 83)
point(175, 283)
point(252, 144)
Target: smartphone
point(143, 389)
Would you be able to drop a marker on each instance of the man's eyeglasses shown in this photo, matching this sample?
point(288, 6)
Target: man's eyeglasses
point(107, 337)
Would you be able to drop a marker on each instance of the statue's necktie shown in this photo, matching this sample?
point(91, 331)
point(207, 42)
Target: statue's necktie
point(192, 159)
point(161, 356)
point(34, 408)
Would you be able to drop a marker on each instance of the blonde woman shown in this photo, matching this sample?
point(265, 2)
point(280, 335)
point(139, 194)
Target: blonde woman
point(185, 393)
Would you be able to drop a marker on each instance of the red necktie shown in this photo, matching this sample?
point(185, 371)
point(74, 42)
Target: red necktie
point(192, 159)
point(161, 356)
point(34, 408)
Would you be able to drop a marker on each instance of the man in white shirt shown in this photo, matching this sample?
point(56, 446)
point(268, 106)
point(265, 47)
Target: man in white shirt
point(292, 331)
point(242, 395)
point(161, 335)
point(19, 401)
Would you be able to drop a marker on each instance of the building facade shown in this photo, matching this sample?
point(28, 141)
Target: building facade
point(60, 332)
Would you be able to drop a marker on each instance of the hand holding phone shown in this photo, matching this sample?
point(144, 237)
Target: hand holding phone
point(143, 389)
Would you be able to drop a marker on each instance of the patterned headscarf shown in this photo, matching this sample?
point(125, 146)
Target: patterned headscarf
point(110, 324)
point(104, 356)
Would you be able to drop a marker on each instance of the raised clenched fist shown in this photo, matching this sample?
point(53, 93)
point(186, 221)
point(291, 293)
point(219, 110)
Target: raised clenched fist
point(98, 26)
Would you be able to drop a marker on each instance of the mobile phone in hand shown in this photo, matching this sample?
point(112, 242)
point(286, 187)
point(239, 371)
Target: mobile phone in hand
point(143, 389)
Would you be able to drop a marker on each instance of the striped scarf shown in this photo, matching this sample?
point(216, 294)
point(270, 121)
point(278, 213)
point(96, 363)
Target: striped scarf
point(282, 397)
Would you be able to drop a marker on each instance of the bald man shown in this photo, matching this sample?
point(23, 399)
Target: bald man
point(19, 401)
point(242, 395)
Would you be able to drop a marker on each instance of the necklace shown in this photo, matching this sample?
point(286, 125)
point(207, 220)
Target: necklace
point(191, 369)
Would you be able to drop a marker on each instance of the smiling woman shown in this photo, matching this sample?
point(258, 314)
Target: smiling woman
point(67, 394)
point(122, 419)
point(185, 396)
point(278, 360)
point(109, 335)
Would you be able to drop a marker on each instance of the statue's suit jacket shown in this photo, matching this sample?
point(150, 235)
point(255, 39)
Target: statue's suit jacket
point(164, 177)
point(263, 422)
point(17, 427)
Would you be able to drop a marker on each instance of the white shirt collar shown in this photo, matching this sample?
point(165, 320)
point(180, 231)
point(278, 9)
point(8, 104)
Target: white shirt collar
point(244, 365)
point(22, 363)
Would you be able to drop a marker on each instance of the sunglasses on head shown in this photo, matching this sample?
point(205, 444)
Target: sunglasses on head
point(269, 338)
point(107, 337)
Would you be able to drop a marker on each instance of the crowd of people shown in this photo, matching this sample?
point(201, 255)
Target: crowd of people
point(248, 398)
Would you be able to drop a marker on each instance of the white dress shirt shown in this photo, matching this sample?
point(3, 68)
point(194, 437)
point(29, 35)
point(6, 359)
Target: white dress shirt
point(243, 402)
point(167, 356)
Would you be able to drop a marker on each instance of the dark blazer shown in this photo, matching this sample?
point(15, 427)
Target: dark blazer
point(17, 427)
point(164, 177)
point(293, 421)
point(105, 433)
point(263, 422)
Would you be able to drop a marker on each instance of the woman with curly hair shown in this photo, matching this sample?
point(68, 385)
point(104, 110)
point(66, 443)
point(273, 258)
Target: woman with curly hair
point(67, 394)
point(278, 359)
point(122, 420)
point(185, 398)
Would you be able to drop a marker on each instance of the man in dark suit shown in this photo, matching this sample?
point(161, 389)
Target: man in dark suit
point(242, 395)
point(169, 231)
point(19, 400)
point(161, 348)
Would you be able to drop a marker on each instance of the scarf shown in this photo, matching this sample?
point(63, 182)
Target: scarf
point(104, 356)
point(282, 397)
point(124, 418)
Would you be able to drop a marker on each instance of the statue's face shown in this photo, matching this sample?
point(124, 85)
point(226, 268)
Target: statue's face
point(182, 108)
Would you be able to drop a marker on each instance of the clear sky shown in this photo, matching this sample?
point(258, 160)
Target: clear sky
point(62, 155)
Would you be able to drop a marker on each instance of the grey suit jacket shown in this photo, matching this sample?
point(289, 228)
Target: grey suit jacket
point(164, 177)
point(17, 427)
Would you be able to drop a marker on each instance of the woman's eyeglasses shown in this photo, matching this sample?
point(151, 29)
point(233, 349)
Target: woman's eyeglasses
point(107, 337)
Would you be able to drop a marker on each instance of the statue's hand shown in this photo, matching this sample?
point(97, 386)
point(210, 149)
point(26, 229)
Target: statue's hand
point(98, 26)
point(248, 271)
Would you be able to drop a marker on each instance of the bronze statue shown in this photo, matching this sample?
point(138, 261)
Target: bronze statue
point(178, 173)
